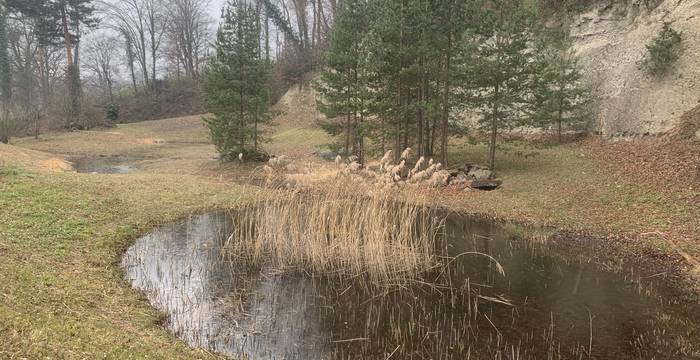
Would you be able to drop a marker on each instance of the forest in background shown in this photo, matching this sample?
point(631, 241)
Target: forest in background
point(389, 74)
point(86, 63)
point(403, 74)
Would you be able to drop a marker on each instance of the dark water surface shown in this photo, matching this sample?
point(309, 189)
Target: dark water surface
point(104, 165)
point(546, 306)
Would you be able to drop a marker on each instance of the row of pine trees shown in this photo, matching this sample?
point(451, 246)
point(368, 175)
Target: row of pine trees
point(402, 73)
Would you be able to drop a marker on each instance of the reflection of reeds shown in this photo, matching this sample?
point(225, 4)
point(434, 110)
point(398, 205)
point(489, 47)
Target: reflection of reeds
point(337, 232)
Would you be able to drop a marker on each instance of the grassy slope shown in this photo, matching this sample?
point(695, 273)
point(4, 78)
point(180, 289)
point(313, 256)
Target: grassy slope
point(564, 186)
point(61, 234)
point(61, 237)
point(62, 294)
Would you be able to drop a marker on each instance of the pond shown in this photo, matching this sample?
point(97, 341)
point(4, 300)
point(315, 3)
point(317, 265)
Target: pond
point(104, 164)
point(542, 305)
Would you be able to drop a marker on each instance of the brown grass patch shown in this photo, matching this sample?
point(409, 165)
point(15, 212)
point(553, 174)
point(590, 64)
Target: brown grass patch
point(153, 141)
point(56, 165)
point(32, 159)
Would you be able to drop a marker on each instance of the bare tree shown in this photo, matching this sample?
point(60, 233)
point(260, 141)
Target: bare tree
point(156, 25)
point(130, 19)
point(129, 58)
point(189, 32)
point(100, 61)
point(23, 47)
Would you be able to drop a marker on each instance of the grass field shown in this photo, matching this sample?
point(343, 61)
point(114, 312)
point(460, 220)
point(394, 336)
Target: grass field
point(62, 294)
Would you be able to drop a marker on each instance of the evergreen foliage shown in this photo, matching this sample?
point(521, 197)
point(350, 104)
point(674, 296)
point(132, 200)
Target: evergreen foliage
point(112, 112)
point(558, 95)
point(662, 51)
point(498, 67)
point(342, 83)
point(235, 84)
point(395, 71)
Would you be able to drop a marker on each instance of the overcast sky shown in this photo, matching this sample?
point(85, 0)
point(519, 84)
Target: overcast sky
point(215, 9)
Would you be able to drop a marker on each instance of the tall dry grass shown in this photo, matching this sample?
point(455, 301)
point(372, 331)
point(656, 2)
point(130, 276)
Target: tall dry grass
point(337, 232)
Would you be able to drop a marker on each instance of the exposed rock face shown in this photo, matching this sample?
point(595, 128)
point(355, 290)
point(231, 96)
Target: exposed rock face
point(611, 40)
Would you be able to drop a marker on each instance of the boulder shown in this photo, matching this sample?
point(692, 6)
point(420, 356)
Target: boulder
point(480, 174)
point(487, 184)
point(326, 155)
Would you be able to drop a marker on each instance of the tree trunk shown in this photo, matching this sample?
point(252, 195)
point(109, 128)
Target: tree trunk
point(43, 75)
point(494, 130)
point(5, 72)
point(130, 60)
point(397, 146)
point(255, 130)
point(559, 117)
point(559, 127)
point(72, 76)
point(267, 37)
point(421, 99)
point(153, 62)
point(446, 98)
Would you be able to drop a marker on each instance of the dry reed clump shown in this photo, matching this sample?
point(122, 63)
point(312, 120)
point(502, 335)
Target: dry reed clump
point(337, 233)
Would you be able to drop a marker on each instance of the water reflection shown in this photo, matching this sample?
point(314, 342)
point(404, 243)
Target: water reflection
point(545, 307)
point(104, 165)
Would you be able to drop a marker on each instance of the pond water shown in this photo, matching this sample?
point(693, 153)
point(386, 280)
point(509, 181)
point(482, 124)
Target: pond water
point(544, 306)
point(104, 165)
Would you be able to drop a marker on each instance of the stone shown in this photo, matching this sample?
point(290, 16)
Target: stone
point(480, 174)
point(327, 155)
point(486, 184)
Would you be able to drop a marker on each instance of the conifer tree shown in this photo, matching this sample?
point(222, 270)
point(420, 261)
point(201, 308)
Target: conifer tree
point(558, 95)
point(340, 86)
point(497, 67)
point(63, 21)
point(235, 84)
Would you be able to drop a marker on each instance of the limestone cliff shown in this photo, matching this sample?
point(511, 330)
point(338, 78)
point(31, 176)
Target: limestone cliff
point(611, 40)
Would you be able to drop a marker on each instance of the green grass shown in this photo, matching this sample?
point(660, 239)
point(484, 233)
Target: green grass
point(298, 141)
point(62, 294)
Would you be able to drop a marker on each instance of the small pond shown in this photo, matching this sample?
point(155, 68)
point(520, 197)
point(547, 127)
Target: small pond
point(544, 306)
point(104, 164)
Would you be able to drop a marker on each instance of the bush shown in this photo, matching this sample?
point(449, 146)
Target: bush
point(176, 98)
point(13, 120)
point(112, 112)
point(662, 51)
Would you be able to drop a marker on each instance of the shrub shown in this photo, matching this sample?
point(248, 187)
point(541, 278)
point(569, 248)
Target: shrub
point(662, 51)
point(112, 112)
point(13, 120)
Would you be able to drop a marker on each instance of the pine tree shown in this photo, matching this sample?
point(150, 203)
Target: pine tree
point(397, 45)
point(452, 19)
point(235, 84)
point(340, 85)
point(662, 51)
point(497, 67)
point(63, 21)
point(558, 95)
